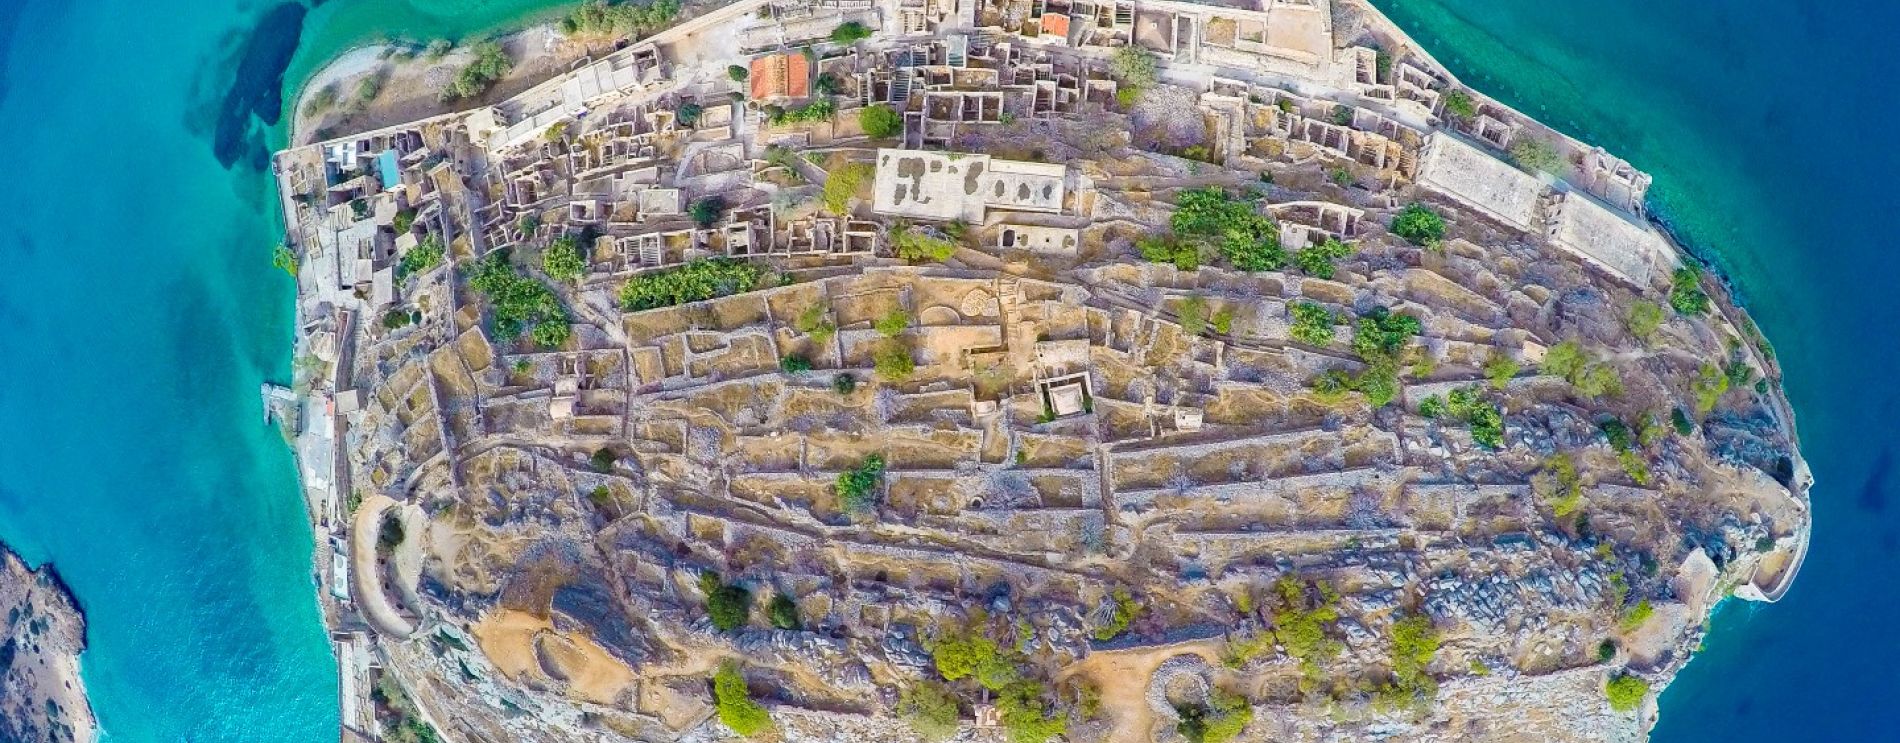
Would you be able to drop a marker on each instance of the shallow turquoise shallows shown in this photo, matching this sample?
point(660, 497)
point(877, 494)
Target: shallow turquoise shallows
point(139, 312)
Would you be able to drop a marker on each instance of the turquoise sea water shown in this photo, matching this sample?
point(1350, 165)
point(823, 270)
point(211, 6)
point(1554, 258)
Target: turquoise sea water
point(138, 313)
point(1768, 126)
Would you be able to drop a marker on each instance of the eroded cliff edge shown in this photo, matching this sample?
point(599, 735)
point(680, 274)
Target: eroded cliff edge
point(41, 695)
point(871, 372)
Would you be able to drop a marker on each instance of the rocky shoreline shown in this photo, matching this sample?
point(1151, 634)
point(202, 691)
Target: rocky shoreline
point(42, 698)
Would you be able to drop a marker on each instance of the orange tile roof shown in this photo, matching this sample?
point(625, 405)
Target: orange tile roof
point(1055, 24)
point(786, 75)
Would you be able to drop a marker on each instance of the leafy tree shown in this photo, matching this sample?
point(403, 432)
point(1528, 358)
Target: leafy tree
point(784, 612)
point(850, 32)
point(893, 323)
point(519, 302)
point(970, 654)
point(829, 84)
point(738, 73)
point(1458, 103)
point(1303, 618)
point(880, 121)
point(1027, 718)
point(1312, 324)
point(736, 708)
point(562, 260)
point(1135, 67)
point(1606, 650)
point(727, 604)
point(694, 282)
point(1248, 240)
point(1626, 692)
point(1218, 721)
point(1500, 369)
point(1643, 318)
point(1317, 260)
point(857, 487)
point(606, 18)
point(491, 64)
point(930, 709)
point(1681, 422)
point(1686, 294)
point(1419, 225)
point(1566, 359)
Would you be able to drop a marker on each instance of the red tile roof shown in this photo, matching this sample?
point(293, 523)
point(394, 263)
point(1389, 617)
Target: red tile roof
point(1055, 24)
point(786, 75)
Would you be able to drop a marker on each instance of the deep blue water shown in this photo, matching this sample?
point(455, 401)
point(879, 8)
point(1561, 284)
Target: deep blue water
point(138, 312)
point(1769, 126)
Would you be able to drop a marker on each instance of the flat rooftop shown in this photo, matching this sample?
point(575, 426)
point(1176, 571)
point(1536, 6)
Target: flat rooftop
point(947, 185)
point(1498, 189)
point(1609, 240)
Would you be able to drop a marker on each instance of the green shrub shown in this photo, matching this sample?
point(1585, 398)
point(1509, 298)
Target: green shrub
point(1626, 692)
point(519, 302)
point(930, 709)
point(1500, 369)
point(1185, 256)
point(708, 210)
point(1248, 240)
point(562, 260)
point(602, 460)
point(1709, 386)
point(1459, 104)
point(912, 244)
point(1538, 155)
point(284, 259)
point(1634, 616)
point(1681, 421)
point(1224, 320)
point(880, 121)
point(738, 73)
point(844, 384)
point(1381, 333)
point(1559, 485)
point(1419, 225)
point(1486, 421)
point(1193, 313)
point(1304, 615)
point(1027, 718)
point(784, 612)
point(850, 32)
point(1134, 66)
point(893, 323)
point(842, 184)
point(1317, 260)
point(1606, 650)
point(694, 282)
point(1312, 324)
point(1123, 615)
point(794, 364)
point(603, 18)
point(1414, 643)
point(1686, 294)
point(736, 708)
point(1643, 318)
point(1432, 406)
point(428, 253)
point(891, 360)
point(857, 487)
point(323, 100)
point(969, 654)
point(688, 113)
point(1218, 721)
point(811, 112)
point(491, 64)
point(727, 604)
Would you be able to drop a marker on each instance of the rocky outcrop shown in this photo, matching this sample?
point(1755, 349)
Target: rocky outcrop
point(41, 697)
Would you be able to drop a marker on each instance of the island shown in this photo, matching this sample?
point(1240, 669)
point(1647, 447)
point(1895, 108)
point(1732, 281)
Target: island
point(1087, 370)
point(42, 699)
